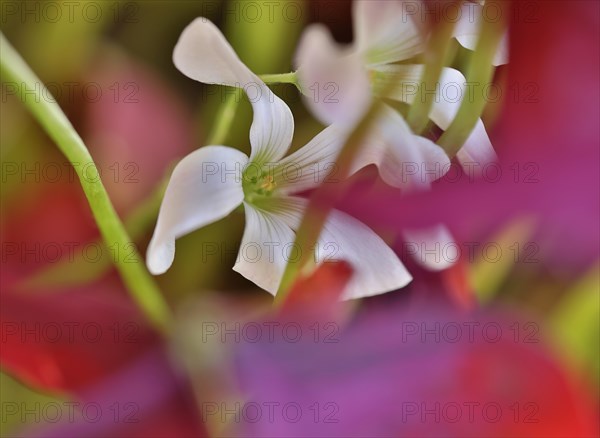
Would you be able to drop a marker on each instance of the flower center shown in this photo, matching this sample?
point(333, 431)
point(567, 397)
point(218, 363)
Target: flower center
point(258, 186)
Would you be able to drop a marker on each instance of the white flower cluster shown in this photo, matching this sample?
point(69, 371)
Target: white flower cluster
point(271, 203)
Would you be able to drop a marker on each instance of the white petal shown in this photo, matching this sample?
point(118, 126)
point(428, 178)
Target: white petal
point(477, 151)
point(404, 159)
point(312, 164)
point(377, 269)
point(436, 162)
point(334, 80)
point(467, 30)
point(386, 31)
point(272, 126)
point(449, 94)
point(205, 186)
point(265, 249)
point(433, 248)
point(203, 54)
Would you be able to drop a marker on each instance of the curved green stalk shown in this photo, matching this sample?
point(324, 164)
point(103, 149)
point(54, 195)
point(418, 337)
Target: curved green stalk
point(283, 78)
point(479, 73)
point(436, 53)
point(138, 281)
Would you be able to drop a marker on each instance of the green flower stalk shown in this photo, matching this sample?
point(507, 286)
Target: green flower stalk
point(139, 283)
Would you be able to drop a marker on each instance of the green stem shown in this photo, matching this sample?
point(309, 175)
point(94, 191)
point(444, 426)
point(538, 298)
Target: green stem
point(480, 72)
point(283, 78)
point(224, 118)
point(138, 281)
point(436, 53)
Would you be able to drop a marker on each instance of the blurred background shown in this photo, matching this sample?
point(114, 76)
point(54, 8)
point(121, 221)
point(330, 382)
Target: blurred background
point(108, 64)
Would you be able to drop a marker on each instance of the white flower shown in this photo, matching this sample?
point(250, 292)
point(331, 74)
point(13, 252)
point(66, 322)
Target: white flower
point(213, 181)
point(339, 83)
point(385, 34)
